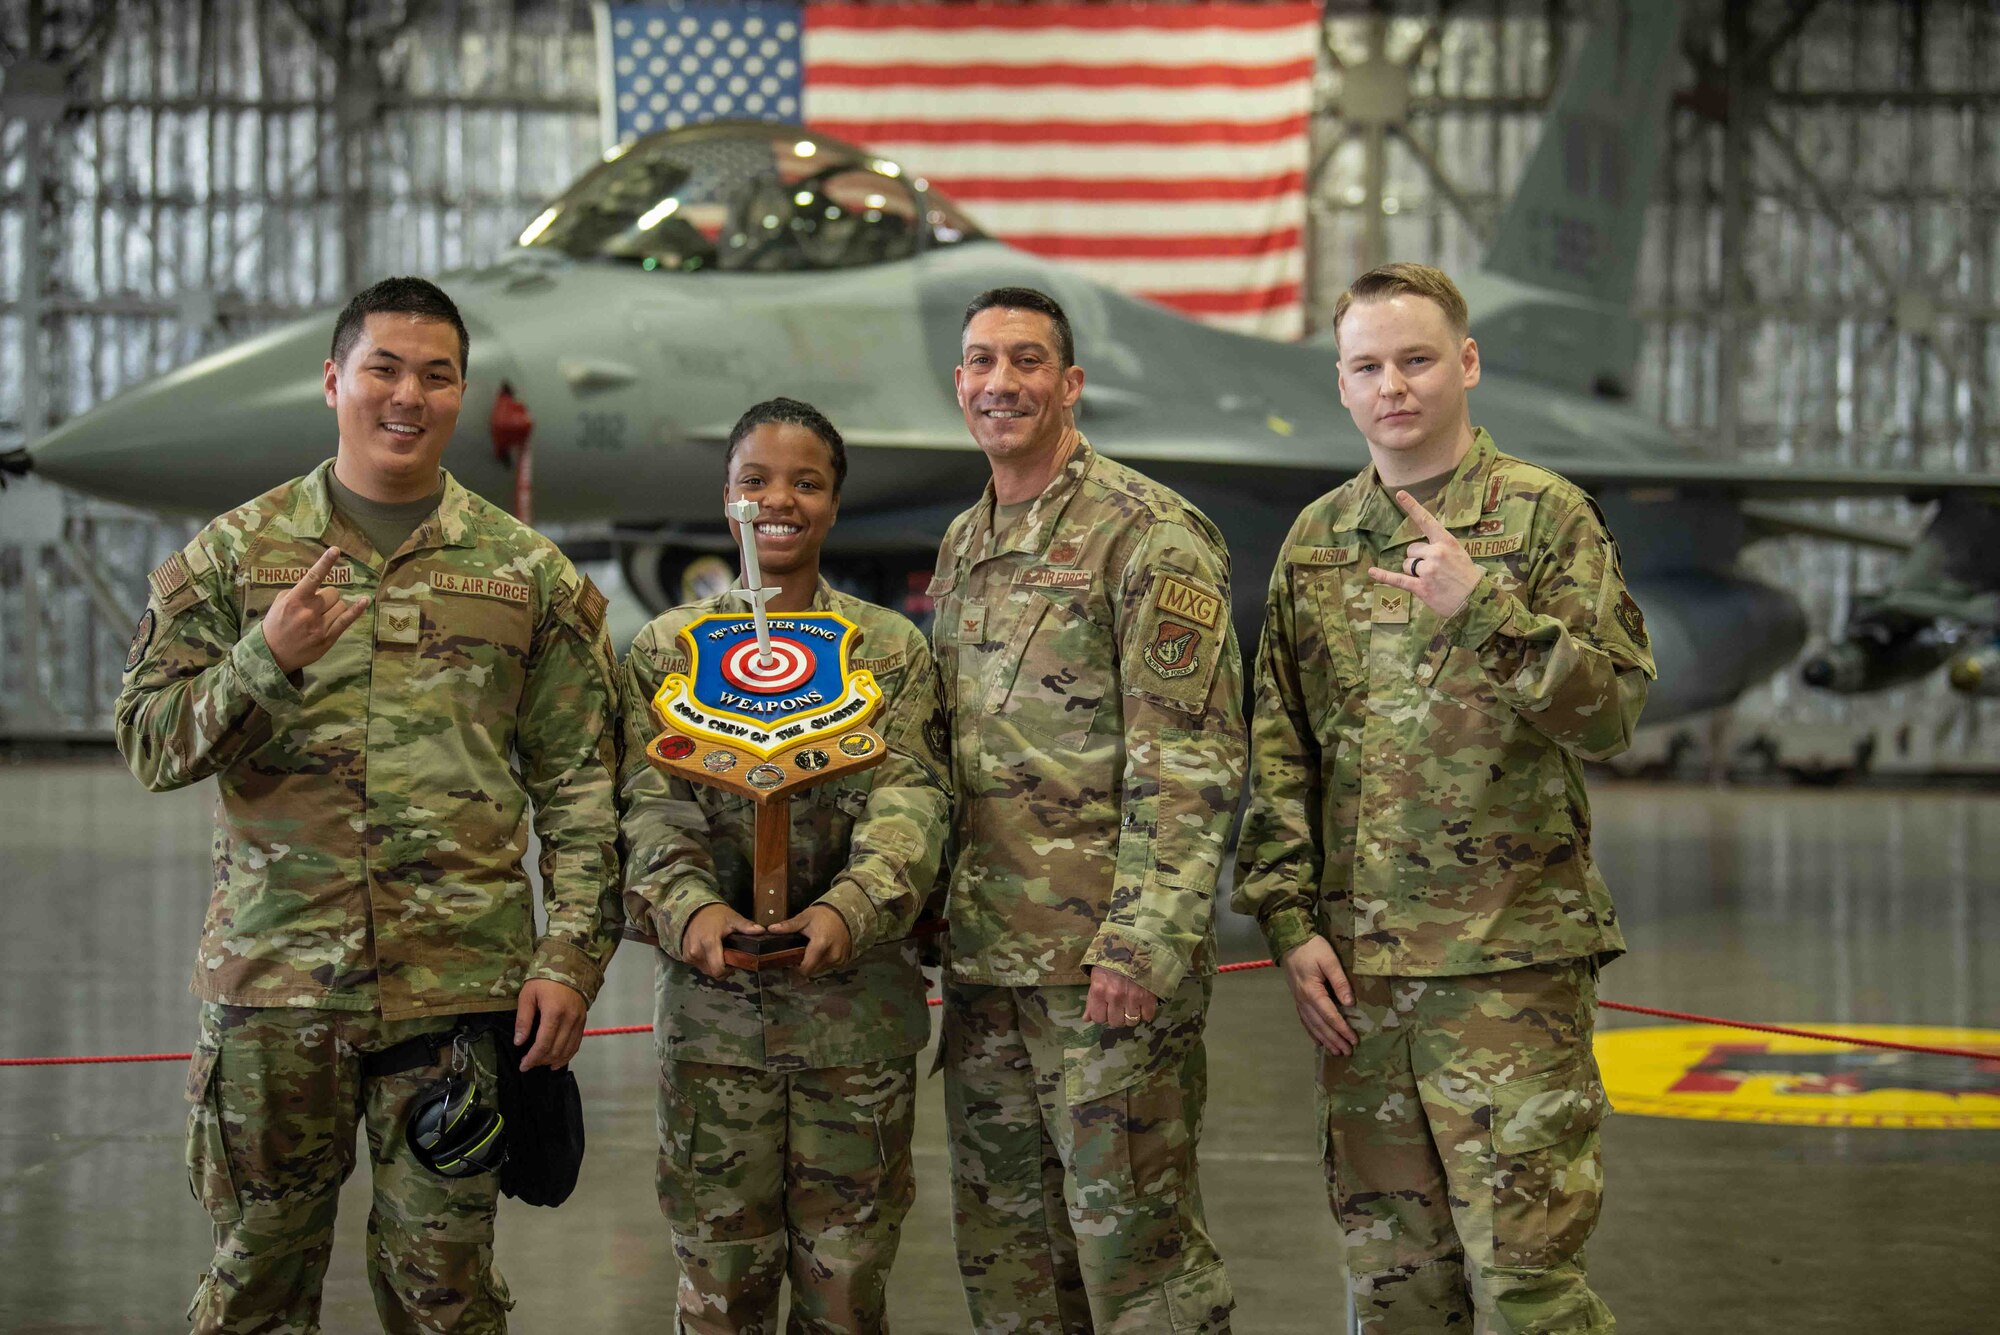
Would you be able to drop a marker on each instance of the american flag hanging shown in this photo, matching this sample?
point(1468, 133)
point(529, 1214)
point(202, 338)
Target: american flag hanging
point(1160, 149)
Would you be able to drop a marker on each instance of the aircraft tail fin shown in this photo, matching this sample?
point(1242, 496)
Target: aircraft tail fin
point(1577, 219)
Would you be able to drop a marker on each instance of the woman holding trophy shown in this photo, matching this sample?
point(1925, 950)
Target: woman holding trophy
point(787, 1091)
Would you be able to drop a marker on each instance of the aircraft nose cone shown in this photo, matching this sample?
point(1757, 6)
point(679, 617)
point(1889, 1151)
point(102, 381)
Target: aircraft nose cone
point(210, 435)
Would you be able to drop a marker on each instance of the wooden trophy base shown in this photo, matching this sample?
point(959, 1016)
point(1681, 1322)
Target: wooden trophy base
point(780, 950)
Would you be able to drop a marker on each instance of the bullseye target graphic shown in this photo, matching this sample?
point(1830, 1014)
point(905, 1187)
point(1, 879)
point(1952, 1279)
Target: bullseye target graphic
point(791, 665)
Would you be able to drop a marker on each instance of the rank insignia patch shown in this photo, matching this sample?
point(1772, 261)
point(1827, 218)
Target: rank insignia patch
point(1632, 619)
point(399, 623)
point(1392, 607)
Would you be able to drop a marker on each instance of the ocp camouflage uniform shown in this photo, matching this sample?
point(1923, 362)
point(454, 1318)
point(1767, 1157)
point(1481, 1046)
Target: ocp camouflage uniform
point(787, 1103)
point(1095, 692)
point(369, 884)
point(1417, 798)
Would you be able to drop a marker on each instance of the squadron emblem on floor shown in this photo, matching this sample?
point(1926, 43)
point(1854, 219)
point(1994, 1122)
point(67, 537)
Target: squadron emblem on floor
point(1712, 1073)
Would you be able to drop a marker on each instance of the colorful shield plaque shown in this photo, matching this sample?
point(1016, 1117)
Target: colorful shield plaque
point(802, 690)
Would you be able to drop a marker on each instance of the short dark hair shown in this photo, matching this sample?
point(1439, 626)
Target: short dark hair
point(398, 296)
point(1025, 299)
point(790, 412)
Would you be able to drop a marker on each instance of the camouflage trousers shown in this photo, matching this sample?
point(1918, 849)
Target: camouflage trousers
point(1461, 1148)
point(765, 1173)
point(275, 1096)
point(1075, 1200)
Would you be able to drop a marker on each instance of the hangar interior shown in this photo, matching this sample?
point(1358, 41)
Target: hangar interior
point(1818, 286)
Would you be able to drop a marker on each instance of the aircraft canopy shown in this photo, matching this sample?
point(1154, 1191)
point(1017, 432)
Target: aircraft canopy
point(749, 197)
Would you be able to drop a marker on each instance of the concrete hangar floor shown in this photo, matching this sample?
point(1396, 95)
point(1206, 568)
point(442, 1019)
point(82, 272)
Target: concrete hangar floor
point(1839, 908)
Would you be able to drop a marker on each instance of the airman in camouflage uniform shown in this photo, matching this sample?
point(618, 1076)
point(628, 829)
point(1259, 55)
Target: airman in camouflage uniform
point(1095, 689)
point(787, 1101)
point(1418, 802)
point(369, 886)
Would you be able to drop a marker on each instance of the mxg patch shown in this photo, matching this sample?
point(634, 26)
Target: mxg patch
point(1179, 598)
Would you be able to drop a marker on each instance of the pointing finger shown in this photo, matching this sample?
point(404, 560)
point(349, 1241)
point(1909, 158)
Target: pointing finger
point(1426, 521)
point(346, 617)
point(1401, 581)
point(309, 583)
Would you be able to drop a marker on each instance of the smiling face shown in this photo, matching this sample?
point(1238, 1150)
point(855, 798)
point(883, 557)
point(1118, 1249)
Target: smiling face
point(1404, 373)
point(396, 398)
point(1012, 387)
point(788, 471)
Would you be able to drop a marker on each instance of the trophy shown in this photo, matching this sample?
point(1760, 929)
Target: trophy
point(768, 707)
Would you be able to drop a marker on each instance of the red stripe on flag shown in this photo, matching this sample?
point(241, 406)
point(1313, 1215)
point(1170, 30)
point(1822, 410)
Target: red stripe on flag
point(1241, 17)
point(1157, 247)
point(1247, 302)
point(1062, 132)
point(821, 74)
point(1001, 188)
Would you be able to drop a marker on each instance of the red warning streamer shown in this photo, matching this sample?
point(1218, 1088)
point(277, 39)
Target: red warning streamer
point(1970, 1054)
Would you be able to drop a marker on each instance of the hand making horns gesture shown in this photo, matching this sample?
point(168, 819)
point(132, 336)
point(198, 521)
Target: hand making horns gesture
point(1437, 569)
point(305, 619)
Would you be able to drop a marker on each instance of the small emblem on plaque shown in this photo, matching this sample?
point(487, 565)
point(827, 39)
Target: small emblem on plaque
point(856, 745)
point(765, 776)
point(677, 747)
point(812, 760)
point(715, 762)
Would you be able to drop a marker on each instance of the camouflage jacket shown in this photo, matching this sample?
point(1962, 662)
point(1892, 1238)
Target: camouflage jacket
point(1416, 783)
point(370, 834)
point(1095, 690)
point(868, 845)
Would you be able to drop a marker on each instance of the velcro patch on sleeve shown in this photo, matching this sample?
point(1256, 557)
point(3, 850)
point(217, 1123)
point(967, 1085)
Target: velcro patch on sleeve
point(169, 577)
point(142, 639)
point(1632, 619)
point(590, 607)
point(172, 584)
point(1179, 642)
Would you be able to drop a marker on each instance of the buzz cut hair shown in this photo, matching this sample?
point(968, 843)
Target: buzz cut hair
point(418, 297)
point(1406, 278)
point(1025, 299)
point(782, 411)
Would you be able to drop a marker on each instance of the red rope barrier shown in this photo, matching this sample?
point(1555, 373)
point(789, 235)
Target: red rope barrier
point(1687, 1017)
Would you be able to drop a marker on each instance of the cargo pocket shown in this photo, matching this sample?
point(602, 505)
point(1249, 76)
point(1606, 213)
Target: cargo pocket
point(1200, 1301)
point(1128, 1125)
point(676, 1168)
point(1548, 1180)
point(209, 1175)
